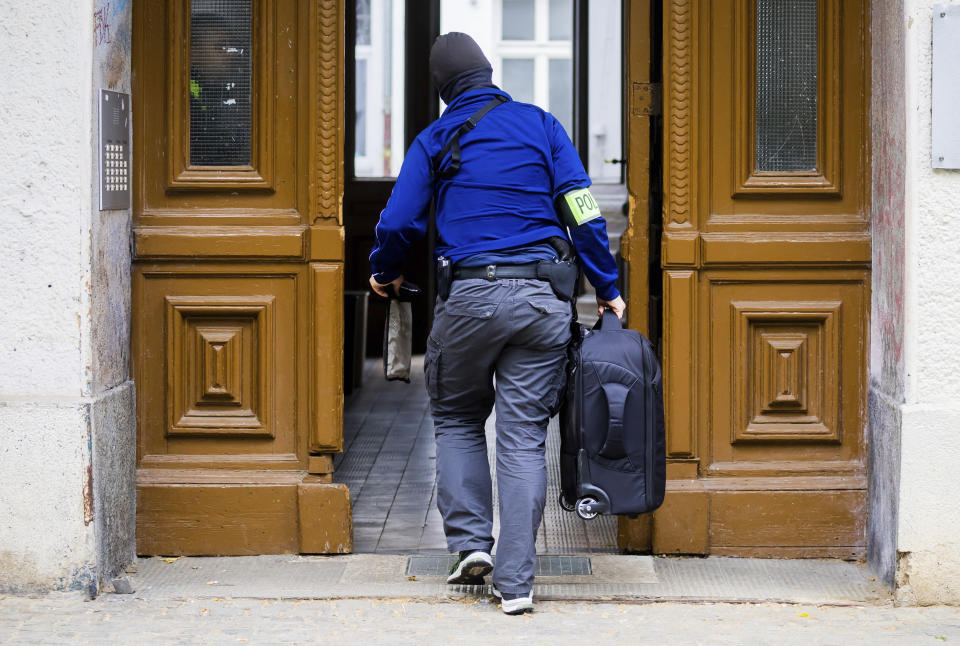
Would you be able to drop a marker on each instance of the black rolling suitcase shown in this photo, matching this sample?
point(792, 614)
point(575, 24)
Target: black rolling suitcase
point(612, 443)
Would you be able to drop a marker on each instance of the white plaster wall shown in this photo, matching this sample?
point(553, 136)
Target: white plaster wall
point(47, 539)
point(44, 201)
point(929, 518)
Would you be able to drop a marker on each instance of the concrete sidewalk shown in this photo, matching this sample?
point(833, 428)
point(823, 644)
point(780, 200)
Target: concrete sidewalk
point(118, 619)
point(374, 599)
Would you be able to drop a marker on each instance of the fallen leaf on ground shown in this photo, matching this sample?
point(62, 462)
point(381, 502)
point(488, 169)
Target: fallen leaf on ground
point(802, 614)
point(172, 559)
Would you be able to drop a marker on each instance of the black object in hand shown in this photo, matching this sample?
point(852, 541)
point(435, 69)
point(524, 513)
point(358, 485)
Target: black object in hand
point(406, 293)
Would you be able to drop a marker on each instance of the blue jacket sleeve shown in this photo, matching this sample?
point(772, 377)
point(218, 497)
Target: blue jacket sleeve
point(590, 239)
point(404, 220)
point(593, 248)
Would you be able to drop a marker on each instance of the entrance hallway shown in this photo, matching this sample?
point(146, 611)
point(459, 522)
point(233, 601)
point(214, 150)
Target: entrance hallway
point(388, 463)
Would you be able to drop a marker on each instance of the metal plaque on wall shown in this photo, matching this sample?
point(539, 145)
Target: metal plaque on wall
point(114, 150)
point(946, 86)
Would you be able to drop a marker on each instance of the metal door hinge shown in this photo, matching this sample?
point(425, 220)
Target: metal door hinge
point(646, 99)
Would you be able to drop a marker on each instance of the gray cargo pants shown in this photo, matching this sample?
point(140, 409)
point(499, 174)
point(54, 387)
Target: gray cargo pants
point(518, 330)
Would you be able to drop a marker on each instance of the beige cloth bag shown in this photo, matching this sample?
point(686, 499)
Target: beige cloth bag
point(398, 341)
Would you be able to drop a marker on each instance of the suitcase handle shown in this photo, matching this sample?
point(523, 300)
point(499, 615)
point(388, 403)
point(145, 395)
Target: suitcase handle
point(609, 321)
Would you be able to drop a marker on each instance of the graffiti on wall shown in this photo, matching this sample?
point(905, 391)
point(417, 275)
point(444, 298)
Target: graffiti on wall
point(111, 39)
point(888, 211)
point(101, 26)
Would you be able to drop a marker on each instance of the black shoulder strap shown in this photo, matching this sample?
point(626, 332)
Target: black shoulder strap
point(453, 145)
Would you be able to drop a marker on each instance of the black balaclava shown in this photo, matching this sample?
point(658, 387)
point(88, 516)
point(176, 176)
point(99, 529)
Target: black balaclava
point(457, 64)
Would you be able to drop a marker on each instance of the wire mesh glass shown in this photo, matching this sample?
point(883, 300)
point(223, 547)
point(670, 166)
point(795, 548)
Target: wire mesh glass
point(221, 35)
point(786, 85)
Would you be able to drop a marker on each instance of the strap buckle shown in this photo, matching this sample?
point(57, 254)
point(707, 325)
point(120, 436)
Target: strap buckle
point(491, 272)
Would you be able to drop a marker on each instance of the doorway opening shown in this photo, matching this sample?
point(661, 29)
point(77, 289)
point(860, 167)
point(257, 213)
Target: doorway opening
point(566, 56)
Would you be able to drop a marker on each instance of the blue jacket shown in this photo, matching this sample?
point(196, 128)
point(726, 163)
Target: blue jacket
point(514, 164)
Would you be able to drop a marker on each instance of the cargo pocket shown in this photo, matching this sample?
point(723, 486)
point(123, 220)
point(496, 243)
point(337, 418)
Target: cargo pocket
point(472, 309)
point(431, 367)
point(558, 384)
point(549, 305)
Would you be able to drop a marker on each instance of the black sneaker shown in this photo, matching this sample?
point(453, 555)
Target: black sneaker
point(470, 568)
point(514, 604)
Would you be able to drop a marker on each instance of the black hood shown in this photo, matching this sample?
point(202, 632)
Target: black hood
point(457, 64)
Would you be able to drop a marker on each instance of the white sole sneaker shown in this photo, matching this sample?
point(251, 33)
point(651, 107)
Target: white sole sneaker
point(472, 569)
point(516, 606)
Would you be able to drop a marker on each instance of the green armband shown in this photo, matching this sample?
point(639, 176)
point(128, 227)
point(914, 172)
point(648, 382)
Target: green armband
point(578, 207)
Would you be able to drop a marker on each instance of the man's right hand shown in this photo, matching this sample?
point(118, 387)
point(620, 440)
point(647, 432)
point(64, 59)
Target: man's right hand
point(380, 288)
point(617, 305)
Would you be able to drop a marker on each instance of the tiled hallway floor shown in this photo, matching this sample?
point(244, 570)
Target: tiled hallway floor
point(388, 464)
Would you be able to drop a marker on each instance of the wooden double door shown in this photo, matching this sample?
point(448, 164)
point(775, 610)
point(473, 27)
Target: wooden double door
point(747, 254)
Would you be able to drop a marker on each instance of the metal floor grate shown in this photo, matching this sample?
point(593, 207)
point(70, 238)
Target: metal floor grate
point(546, 565)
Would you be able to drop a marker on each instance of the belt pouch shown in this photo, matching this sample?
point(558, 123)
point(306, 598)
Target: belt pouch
point(562, 277)
point(444, 277)
point(398, 341)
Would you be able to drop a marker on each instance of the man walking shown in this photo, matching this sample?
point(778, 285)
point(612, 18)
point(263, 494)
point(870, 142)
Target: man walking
point(496, 182)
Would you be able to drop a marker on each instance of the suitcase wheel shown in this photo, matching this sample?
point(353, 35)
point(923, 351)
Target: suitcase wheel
point(585, 508)
point(566, 505)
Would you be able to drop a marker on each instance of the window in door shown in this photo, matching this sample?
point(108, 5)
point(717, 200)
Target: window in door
point(786, 125)
point(221, 74)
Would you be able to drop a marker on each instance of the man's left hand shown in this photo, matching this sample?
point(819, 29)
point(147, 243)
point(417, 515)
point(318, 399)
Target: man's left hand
point(380, 288)
point(617, 305)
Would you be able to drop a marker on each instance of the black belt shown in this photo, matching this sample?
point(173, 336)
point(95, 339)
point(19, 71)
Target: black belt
point(493, 272)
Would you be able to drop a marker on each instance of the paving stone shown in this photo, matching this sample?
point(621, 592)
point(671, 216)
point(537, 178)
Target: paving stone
point(122, 585)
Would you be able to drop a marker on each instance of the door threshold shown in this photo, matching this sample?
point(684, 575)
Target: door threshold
point(624, 578)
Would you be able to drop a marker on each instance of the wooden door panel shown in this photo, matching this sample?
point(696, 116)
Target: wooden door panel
point(680, 303)
point(218, 518)
point(784, 371)
point(220, 383)
point(326, 337)
point(269, 190)
point(833, 195)
point(238, 290)
point(766, 296)
point(641, 116)
point(832, 521)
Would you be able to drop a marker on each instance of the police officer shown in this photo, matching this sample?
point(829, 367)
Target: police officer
point(502, 320)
